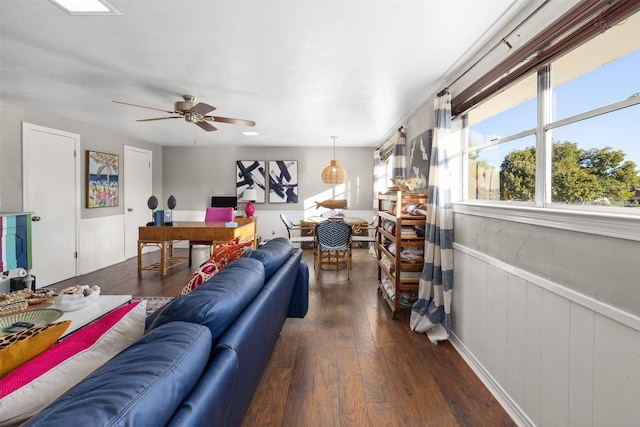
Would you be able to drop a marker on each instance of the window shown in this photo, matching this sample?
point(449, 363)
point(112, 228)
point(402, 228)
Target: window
point(589, 131)
point(494, 136)
point(596, 159)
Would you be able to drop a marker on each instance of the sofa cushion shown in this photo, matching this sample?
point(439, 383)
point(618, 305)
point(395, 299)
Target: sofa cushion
point(142, 385)
point(272, 255)
point(37, 383)
point(217, 302)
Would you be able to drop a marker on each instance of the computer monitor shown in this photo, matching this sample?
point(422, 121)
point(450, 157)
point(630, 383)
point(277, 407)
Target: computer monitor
point(224, 202)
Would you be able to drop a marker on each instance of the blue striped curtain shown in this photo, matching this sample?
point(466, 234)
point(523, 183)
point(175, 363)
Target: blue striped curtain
point(431, 314)
point(399, 156)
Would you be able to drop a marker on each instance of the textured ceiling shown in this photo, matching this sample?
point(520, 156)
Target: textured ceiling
point(302, 70)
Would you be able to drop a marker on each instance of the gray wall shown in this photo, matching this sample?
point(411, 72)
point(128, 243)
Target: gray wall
point(194, 174)
point(11, 119)
point(191, 174)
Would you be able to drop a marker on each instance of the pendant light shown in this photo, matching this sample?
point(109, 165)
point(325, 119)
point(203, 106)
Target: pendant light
point(334, 174)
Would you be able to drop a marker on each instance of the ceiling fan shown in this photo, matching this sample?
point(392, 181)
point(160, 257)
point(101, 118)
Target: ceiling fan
point(193, 113)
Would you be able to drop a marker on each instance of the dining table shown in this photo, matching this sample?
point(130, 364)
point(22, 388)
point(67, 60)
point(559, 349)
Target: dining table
point(359, 226)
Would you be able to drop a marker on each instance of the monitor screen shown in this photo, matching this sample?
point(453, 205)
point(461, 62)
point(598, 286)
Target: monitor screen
point(224, 202)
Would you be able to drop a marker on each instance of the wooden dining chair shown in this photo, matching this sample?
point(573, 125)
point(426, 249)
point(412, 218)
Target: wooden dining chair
point(371, 229)
point(295, 231)
point(332, 245)
point(212, 215)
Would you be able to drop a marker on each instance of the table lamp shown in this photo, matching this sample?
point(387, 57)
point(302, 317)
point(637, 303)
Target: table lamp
point(250, 195)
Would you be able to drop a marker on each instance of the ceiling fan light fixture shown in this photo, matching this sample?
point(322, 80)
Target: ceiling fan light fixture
point(334, 173)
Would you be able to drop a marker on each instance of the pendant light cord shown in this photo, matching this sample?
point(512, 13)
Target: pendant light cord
point(334, 146)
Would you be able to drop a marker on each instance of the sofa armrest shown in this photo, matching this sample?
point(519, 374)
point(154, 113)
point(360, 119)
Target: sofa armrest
point(300, 297)
point(210, 399)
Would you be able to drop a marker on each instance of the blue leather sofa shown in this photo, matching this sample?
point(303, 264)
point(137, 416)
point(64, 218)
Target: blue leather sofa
point(202, 355)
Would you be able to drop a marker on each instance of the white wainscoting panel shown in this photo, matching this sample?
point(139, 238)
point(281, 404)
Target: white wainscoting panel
point(616, 397)
point(551, 357)
point(496, 331)
point(532, 306)
point(581, 369)
point(101, 242)
point(556, 324)
point(516, 338)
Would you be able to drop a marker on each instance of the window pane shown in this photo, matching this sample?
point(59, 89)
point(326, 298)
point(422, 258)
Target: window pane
point(507, 113)
point(597, 161)
point(613, 82)
point(503, 172)
point(602, 71)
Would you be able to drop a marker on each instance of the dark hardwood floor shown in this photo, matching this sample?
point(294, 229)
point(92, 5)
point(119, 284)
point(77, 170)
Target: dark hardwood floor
point(347, 363)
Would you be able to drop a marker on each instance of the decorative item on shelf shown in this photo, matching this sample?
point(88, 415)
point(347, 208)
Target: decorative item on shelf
point(250, 195)
point(407, 185)
point(168, 213)
point(334, 174)
point(152, 203)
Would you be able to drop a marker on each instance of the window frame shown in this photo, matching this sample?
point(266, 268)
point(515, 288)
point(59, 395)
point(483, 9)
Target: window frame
point(618, 222)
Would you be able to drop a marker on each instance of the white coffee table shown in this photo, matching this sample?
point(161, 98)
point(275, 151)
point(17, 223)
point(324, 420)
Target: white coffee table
point(84, 316)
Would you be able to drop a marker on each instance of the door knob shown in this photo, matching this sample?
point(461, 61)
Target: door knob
point(35, 218)
point(130, 210)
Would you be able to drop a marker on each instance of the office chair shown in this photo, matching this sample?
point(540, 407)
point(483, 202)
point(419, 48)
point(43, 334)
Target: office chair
point(212, 215)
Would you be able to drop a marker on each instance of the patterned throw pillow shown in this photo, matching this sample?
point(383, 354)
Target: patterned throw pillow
point(223, 255)
point(20, 347)
point(201, 275)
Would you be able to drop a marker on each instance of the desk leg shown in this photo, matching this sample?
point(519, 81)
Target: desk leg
point(140, 244)
point(163, 258)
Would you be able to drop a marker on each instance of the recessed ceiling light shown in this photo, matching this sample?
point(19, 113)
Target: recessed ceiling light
point(86, 7)
point(250, 133)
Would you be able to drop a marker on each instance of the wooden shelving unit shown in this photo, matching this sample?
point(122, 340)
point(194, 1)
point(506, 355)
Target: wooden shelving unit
point(397, 276)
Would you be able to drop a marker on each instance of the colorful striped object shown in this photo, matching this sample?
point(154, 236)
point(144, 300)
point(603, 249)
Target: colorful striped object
point(15, 237)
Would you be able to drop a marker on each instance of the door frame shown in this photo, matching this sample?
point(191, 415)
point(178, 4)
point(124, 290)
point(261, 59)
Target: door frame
point(26, 128)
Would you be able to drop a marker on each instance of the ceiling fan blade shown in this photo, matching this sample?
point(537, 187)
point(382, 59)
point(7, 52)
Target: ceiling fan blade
point(202, 108)
point(240, 122)
point(144, 106)
point(159, 118)
point(207, 126)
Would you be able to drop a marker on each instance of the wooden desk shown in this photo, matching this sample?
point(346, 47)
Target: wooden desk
point(164, 236)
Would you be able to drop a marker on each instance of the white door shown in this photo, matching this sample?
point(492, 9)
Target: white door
point(51, 192)
point(137, 190)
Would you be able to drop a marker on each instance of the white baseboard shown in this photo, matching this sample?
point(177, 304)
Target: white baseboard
point(514, 411)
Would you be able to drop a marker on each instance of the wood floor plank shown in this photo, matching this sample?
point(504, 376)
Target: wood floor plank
point(385, 414)
point(267, 406)
point(347, 363)
point(353, 408)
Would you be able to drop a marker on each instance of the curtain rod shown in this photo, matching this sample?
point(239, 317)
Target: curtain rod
point(503, 40)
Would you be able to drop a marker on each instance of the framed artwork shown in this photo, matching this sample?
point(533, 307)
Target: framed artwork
point(250, 173)
point(102, 180)
point(419, 157)
point(283, 181)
